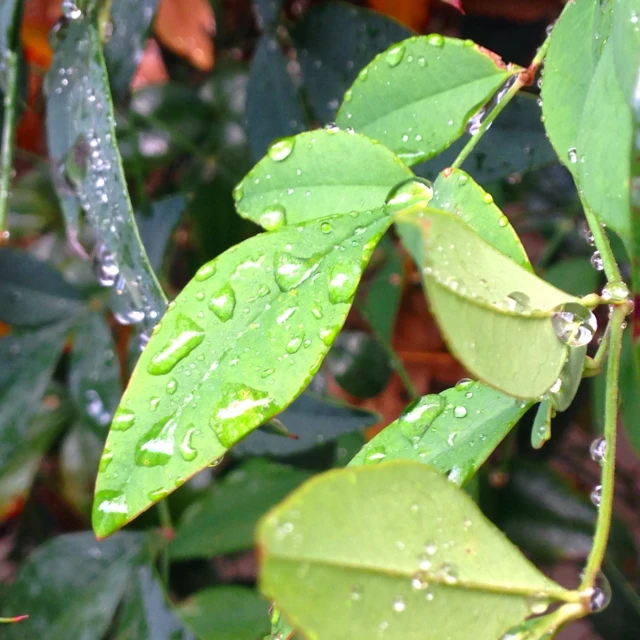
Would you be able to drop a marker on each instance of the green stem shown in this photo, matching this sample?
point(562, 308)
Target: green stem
point(167, 524)
point(605, 510)
point(8, 135)
point(398, 366)
point(524, 78)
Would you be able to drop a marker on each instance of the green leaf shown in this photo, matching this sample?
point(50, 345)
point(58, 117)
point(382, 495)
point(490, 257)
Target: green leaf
point(196, 390)
point(130, 24)
point(569, 67)
point(334, 41)
point(575, 275)
point(315, 174)
point(455, 191)
point(402, 550)
point(515, 143)
point(224, 519)
point(570, 378)
point(417, 97)
point(86, 163)
point(226, 613)
point(33, 292)
point(359, 364)
point(314, 419)
point(629, 385)
point(454, 431)
point(94, 375)
point(274, 109)
point(604, 141)
point(626, 46)
point(146, 612)
point(28, 359)
point(70, 586)
point(494, 314)
point(541, 430)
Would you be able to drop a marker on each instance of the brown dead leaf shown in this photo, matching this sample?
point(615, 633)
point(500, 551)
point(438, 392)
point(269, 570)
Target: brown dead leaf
point(412, 13)
point(151, 69)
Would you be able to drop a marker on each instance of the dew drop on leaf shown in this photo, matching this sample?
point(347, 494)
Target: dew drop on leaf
point(413, 191)
point(273, 217)
point(123, 419)
point(615, 291)
point(375, 454)
point(110, 509)
point(105, 266)
point(574, 324)
point(223, 303)
point(399, 605)
point(597, 262)
point(205, 271)
point(394, 55)
point(460, 412)
point(281, 149)
point(187, 336)
point(435, 40)
point(598, 449)
point(419, 415)
point(291, 271)
point(187, 451)
point(172, 386)
point(596, 495)
point(156, 447)
point(343, 280)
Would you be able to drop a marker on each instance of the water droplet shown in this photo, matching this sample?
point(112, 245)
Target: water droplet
point(273, 217)
point(363, 73)
point(596, 495)
point(293, 346)
point(223, 302)
point(172, 386)
point(435, 40)
point(156, 447)
point(574, 324)
point(597, 262)
point(348, 95)
point(460, 412)
point(281, 149)
point(423, 562)
point(105, 460)
point(449, 573)
point(516, 301)
point(105, 267)
point(420, 580)
point(412, 191)
point(431, 548)
point(356, 593)
point(291, 271)
point(71, 10)
point(238, 192)
point(205, 271)
point(153, 403)
point(325, 227)
point(538, 604)
point(187, 336)
point(344, 277)
point(615, 291)
point(601, 595)
point(598, 449)
point(185, 447)
point(239, 410)
point(375, 454)
point(573, 155)
point(123, 419)
point(110, 509)
point(399, 605)
point(331, 127)
point(556, 386)
point(394, 55)
point(419, 415)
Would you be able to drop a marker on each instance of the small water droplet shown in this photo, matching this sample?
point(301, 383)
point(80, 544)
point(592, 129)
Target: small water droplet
point(186, 337)
point(598, 449)
point(172, 386)
point(460, 412)
point(573, 155)
point(487, 198)
point(394, 55)
point(435, 40)
point(281, 149)
point(326, 227)
point(431, 548)
point(596, 495)
point(574, 324)
point(556, 386)
point(464, 384)
point(105, 266)
point(223, 303)
point(110, 509)
point(538, 604)
point(293, 346)
point(187, 451)
point(344, 277)
point(375, 454)
point(399, 605)
point(601, 595)
point(597, 262)
point(70, 10)
point(356, 593)
point(423, 562)
point(273, 217)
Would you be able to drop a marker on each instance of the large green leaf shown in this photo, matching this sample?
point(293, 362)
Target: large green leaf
point(71, 586)
point(33, 292)
point(198, 387)
point(403, 552)
point(226, 613)
point(626, 46)
point(604, 147)
point(417, 97)
point(334, 41)
point(315, 174)
point(454, 431)
point(224, 519)
point(494, 314)
point(569, 67)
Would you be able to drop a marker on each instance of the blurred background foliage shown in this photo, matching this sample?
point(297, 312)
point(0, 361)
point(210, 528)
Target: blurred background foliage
point(200, 89)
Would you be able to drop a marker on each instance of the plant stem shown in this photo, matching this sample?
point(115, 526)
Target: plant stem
point(605, 510)
point(167, 524)
point(602, 243)
point(8, 135)
point(524, 78)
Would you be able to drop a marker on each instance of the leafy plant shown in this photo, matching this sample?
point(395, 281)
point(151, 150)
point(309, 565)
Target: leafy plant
point(390, 542)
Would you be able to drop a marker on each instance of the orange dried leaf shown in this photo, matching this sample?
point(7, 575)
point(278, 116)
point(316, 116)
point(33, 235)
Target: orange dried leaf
point(413, 13)
point(151, 69)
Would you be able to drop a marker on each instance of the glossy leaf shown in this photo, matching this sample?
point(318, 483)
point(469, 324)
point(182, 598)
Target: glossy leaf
point(226, 613)
point(28, 359)
point(334, 41)
point(626, 46)
point(515, 143)
point(130, 24)
point(455, 191)
point(33, 292)
point(604, 140)
point(196, 390)
point(422, 557)
point(494, 314)
point(146, 612)
point(315, 174)
point(274, 108)
point(417, 97)
point(314, 419)
point(224, 519)
point(454, 431)
point(86, 163)
point(71, 586)
point(94, 376)
point(569, 67)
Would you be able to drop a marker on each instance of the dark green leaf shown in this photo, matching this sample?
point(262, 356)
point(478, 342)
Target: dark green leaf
point(575, 275)
point(130, 24)
point(315, 420)
point(417, 97)
point(317, 173)
point(454, 432)
point(226, 613)
point(334, 41)
point(274, 109)
point(33, 292)
point(224, 520)
point(280, 296)
point(402, 550)
point(71, 586)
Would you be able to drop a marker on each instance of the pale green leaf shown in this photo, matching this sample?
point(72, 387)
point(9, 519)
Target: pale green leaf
point(626, 46)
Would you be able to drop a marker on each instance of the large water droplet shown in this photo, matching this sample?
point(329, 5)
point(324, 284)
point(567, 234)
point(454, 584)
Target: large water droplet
point(601, 595)
point(223, 302)
point(110, 509)
point(156, 447)
point(598, 449)
point(187, 336)
point(394, 55)
point(343, 280)
point(615, 291)
point(123, 419)
point(574, 324)
point(273, 217)
point(281, 149)
point(187, 451)
point(413, 191)
point(291, 271)
point(597, 262)
point(419, 416)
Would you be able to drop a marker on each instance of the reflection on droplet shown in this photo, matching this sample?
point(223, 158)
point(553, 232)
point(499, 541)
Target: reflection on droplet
point(615, 291)
point(223, 302)
point(598, 449)
point(399, 605)
point(596, 495)
point(110, 509)
point(419, 416)
point(601, 595)
point(574, 324)
point(205, 271)
point(291, 271)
